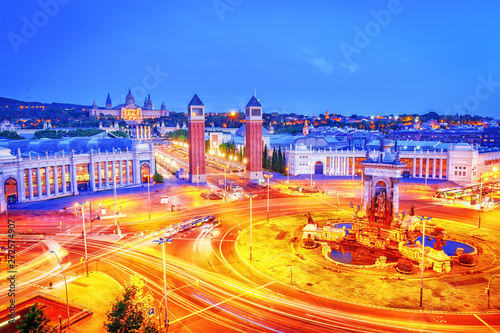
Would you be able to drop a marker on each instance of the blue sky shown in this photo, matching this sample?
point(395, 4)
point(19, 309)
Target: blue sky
point(347, 57)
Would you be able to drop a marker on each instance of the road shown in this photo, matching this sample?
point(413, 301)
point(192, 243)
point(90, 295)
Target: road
point(212, 290)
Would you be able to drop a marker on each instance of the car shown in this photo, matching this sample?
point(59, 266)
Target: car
point(208, 227)
point(208, 219)
point(170, 232)
point(185, 227)
point(197, 221)
point(216, 223)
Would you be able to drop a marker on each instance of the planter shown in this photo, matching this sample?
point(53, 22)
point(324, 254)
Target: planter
point(467, 265)
point(405, 272)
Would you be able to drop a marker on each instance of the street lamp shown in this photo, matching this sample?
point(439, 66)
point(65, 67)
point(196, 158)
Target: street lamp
point(288, 174)
point(480, 199)
point(311, 176)
point(361, 186)
point(162, 242)
point(65, 284)
point(84, 236)
point(423, 255)
point(225, 187)
point(251, 196)
point(268, 176)
point(149, 196)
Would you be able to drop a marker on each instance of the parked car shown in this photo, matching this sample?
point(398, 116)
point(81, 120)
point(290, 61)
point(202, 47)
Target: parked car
point(185, 227)
point(216, 223)
point(208, 219)
point(197, 221)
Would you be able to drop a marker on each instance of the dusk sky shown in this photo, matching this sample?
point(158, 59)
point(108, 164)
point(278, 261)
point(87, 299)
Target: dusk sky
point(347, 57)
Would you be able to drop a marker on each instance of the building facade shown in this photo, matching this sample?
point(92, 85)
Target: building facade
point(36, 173)
point(130, 111)
point(460, 163)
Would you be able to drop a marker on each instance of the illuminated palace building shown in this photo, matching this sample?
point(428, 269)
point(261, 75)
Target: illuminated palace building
point(130, 112)
point(33, 170)
point(461, 163)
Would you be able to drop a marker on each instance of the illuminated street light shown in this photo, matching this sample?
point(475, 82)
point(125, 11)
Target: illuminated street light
point(423, 255)
point(361, 187)
point(251, 196)
point(162, 242)
point(149, 196)
point(268, 176)
point(84, 235)
point(65, 284)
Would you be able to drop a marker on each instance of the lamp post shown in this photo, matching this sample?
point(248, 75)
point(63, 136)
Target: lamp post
point(480, 200)
point(251, 196)
point(268, 176)
point(65, 284)
point(149, 196)
point(361, 187)
point(312, 176)
point(162, 242)
point(114, 201)
point(423, 255)
point(288, 174)
point(225, 187)
point(84, 236)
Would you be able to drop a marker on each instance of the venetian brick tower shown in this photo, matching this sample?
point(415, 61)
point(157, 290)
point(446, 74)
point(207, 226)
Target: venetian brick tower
point(253, 139)
point(196, 133)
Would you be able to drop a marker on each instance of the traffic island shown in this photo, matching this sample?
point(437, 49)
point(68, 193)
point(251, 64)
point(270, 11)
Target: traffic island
point(277, 248)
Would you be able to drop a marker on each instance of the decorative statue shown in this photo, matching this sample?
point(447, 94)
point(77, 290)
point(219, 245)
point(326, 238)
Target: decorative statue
point(412, 210)
point(309, 218)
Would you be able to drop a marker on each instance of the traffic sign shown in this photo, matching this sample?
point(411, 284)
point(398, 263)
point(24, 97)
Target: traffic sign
point(151, 312)
point(169, 240)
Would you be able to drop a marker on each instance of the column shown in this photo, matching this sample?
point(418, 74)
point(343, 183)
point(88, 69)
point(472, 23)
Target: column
point(99, 176)
point(92, 175)
point(47, 180)
point(346, 166)
point(114, 171)
point(395, 199)
point(56, 181)
point(434, 168)
point(414, 167)
point(63, 171)
point(427, 167)
point(106, 172)
point(39, 182)
point(353, 165)
point(127, 167)
point(337, 165)
point(366, 201)
point(121, 172)
point(420, 167)
point(30, 182)
point(440, 168)
point(74, 183)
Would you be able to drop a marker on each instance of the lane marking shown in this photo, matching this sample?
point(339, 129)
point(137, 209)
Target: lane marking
point(491, 328)
point(221, 302)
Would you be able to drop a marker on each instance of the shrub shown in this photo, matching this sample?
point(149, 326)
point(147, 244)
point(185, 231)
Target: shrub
point(466, 259)
point(405, 265)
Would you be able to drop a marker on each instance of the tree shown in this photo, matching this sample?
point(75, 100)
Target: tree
point(11, 135)
point(36, 321)
point(129, 311)
point(158, 178)
point(274, 160)
point(264, 158)
point(279, 163)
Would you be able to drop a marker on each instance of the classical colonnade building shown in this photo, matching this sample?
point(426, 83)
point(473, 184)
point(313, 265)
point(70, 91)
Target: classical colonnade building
point(46, 169)
point(461, 162)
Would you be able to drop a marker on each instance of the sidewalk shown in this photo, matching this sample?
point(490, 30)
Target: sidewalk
point(96, 291)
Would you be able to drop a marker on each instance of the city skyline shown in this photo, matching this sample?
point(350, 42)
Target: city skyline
point(369, 58)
